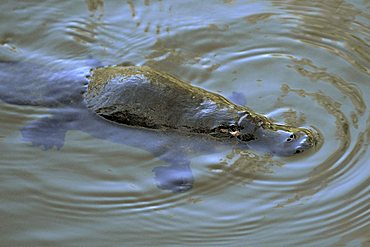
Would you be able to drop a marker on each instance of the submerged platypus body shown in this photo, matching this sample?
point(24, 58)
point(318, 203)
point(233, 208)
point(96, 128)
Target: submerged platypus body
point(141, 96)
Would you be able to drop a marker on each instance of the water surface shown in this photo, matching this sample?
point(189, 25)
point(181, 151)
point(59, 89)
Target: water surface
point(304, 63)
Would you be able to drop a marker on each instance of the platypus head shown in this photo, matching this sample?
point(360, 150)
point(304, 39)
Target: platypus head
point(277, 139)
point(285, 141)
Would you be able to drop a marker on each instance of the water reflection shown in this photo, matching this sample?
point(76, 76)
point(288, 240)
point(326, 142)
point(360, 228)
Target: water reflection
point(332, 25)
point(306, 68)
point(95, 6)
point(301, 62)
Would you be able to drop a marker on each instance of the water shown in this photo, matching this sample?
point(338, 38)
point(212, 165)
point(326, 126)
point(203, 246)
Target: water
point(299, 62)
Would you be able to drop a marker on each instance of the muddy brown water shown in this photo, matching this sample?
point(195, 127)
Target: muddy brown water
point(300, 62)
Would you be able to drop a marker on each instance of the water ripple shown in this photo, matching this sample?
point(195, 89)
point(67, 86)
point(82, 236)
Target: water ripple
point(301, 62)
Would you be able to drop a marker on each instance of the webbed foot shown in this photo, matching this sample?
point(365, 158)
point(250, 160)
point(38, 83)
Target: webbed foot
point(177, 178)
point(45, 133)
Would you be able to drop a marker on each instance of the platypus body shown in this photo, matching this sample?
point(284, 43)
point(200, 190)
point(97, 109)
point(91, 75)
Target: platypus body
point(141, 96)
point(133, 96)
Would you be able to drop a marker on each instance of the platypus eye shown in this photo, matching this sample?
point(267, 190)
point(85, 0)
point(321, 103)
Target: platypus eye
point(247, 137)
point(290, 138)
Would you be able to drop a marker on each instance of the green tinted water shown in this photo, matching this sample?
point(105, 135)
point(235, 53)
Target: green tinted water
point(300, 62)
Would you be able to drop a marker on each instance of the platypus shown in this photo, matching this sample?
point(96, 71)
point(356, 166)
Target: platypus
point(142, 96)
point(145, 108)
